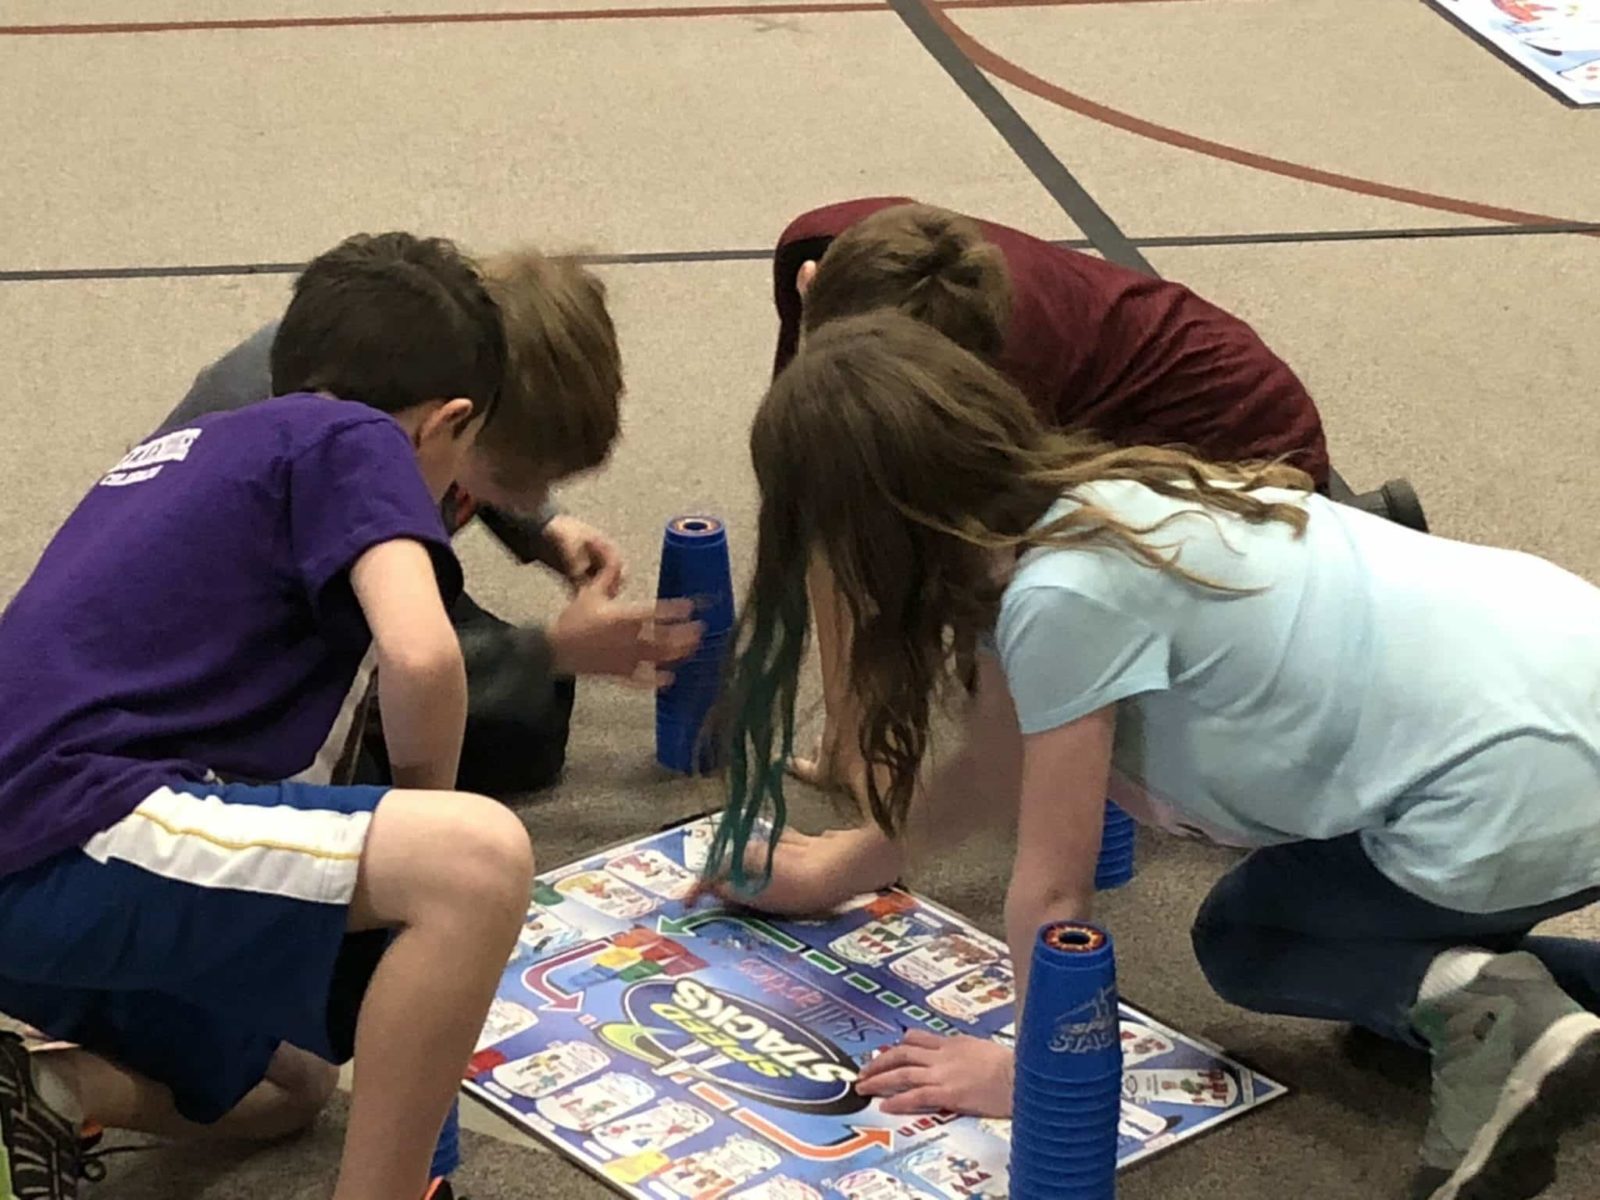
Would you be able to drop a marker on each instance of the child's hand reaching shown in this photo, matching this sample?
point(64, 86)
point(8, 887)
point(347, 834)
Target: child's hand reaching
point(581, 552)
point(927, 1073)
point(813, 874)
point(597, 634)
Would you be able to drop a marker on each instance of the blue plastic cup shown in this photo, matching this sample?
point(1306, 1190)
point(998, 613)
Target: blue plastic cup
point(1056, 1122)
point(1076, 1149)
point(1099, 1159)
point(1114, 875)
point(1098, 1167)
point(685, 748)
point(1071, 1030)
point(1091, 1151)
point(1076, 1094)
point(1116, 858)
point(1032, 1183)
point(694, 565)
point(1059, 1119)
point(447, 1151)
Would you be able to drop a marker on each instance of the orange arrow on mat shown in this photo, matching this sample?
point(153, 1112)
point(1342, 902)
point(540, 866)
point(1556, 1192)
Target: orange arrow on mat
point(860, 1139)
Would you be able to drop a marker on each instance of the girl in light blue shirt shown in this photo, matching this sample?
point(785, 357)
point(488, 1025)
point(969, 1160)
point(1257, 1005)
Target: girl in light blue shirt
point(1403, 729)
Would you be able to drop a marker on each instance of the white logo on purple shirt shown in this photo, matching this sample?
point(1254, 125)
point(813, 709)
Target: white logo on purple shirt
point(145, 462)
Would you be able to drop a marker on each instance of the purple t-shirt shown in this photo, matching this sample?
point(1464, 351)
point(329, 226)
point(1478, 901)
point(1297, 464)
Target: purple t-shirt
point(195, 615)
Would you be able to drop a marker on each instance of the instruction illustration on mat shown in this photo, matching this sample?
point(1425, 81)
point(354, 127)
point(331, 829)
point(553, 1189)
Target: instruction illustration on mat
point(691, 1054)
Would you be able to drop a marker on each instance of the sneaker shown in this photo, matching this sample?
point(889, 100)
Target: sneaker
point(1514, 1058)
point(41, 1150)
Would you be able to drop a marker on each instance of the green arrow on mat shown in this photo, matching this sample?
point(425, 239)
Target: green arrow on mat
point(685, 926)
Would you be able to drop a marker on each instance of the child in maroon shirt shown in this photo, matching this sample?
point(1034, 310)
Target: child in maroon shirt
point(1135, 359)
point(1139, 360)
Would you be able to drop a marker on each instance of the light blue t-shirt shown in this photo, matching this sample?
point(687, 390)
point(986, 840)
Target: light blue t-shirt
point(1439, 698)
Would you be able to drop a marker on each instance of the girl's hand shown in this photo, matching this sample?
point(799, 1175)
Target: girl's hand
point(813, 874)
point(926, 1073)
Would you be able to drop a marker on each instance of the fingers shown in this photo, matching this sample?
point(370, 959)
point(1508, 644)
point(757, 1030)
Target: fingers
point(898, 1058)
point(607, 576)
point(671, 641)
point(670, 611)
point(890, 1083)
point(606, 557)
point(648, 678)
point(930, 1098)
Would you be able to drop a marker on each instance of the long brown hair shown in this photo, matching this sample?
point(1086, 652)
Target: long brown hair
point(907, 464)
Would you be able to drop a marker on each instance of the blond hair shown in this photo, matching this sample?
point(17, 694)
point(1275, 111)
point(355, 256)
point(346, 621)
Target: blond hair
point(559, 407)
point(932, 264)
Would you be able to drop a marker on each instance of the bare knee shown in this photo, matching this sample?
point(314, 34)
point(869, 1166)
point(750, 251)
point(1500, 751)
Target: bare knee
point(435, 853)
point(495, 852)
point(486, 866)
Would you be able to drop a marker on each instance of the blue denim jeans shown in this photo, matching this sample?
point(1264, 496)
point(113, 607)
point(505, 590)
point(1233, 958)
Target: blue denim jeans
point(1313, 929)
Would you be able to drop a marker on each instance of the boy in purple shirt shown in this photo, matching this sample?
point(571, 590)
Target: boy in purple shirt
point(182, 893)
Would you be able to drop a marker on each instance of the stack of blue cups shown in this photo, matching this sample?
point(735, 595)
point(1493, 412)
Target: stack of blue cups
point(694, 564)
point(1115, 867)
point(1068, 1091)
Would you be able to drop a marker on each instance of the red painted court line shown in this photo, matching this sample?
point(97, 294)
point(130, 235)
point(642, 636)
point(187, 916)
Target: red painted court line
point(1010, 72)
point(814, 8)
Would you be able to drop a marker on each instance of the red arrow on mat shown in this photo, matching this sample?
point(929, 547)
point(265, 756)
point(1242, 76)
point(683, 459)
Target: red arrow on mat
point(860, 1139)
point(536, 978)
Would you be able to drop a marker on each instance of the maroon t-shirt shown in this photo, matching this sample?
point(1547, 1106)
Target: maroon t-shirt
point(1138, 360)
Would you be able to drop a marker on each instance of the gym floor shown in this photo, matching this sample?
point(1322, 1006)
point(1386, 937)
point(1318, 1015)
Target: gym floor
point(1398, 211)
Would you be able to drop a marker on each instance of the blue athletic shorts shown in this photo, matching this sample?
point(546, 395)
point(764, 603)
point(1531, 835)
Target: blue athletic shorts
point(191, 939)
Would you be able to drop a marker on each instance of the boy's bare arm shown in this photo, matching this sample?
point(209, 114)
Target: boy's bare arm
point(422, 682)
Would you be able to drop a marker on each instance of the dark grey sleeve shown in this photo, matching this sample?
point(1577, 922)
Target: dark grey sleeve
point(522, 535)
point(241, 376)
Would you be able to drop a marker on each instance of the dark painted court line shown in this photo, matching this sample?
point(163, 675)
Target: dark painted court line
point(1286, 237)
point(1010, 72)
point(1049, 170)
point(371, 20)
point(1327, 236)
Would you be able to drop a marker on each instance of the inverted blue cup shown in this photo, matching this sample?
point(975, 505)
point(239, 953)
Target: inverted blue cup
point(447, 1150)
point(682, 748)
point(1035, 1184)
point(1074, 1096)
point(1113, 877)
point(1070, 1038)
point(1059, 1123)
point(694, 565)
point(1094, 1150)
point(1096, 1160)
point(1088, 1153)
point(1071, 1032)
point(1115, 866)
point(1048, 1178)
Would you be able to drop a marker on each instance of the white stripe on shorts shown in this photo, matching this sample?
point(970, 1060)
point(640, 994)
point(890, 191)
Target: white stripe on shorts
point(205, 841)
